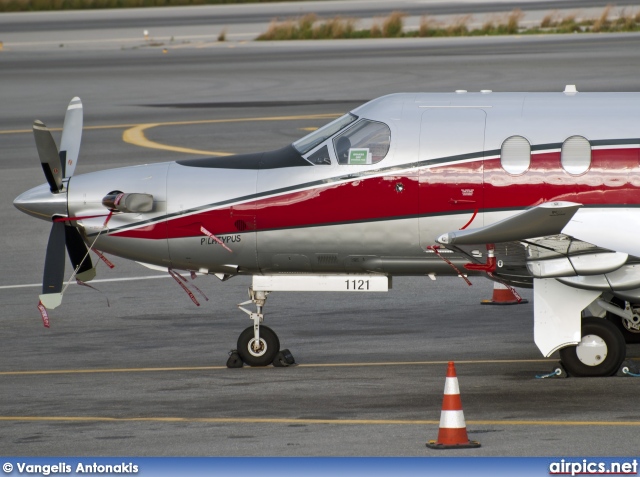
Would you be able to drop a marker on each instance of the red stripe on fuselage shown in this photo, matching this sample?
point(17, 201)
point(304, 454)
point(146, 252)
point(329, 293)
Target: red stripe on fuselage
point(376, 198)
point(614, 178)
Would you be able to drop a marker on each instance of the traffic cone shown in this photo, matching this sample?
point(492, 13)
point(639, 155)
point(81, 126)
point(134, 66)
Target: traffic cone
point(503, 295)
point(453, 430)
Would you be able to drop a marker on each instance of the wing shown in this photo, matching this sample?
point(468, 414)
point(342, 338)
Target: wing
point(591, 249)
point(572, 257)
point(546, 219)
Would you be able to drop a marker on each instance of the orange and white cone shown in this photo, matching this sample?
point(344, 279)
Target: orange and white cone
point(504, 295)
point(453, 430)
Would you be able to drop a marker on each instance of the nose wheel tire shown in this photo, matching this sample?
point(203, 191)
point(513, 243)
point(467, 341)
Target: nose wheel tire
point(600, 352)
point(258, 354)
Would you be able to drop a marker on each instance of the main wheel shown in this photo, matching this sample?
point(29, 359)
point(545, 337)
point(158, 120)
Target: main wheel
point(258, 354)
point(600, 353)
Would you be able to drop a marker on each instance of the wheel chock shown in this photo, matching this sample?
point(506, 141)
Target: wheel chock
point(629, 368)
point(557, 372)
point(283, 359)
point(234, 360)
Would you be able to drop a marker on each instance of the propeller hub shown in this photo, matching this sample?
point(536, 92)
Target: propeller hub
point(41, 203)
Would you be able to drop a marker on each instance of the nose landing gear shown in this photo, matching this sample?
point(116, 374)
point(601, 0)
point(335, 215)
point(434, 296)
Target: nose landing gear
point(258, 345)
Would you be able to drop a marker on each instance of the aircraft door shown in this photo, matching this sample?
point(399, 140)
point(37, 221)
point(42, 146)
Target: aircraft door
point(339, 215)
point(451, 176)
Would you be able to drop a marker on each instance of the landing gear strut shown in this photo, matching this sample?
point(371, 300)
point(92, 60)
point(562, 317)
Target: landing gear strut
point(626, 318)
point(258, 345)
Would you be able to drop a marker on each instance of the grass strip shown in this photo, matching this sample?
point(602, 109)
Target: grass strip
point(309, 27)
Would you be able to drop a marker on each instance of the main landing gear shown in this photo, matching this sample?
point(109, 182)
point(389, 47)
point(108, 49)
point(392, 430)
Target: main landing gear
point(258, 345)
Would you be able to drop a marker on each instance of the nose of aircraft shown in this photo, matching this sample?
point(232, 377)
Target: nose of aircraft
point(41, 203)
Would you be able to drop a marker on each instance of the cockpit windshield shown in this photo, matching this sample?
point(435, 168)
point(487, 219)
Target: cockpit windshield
point(310, 141)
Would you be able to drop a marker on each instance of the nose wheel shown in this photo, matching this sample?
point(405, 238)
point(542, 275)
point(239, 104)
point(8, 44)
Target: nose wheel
point(258, 345)
point(261, 351)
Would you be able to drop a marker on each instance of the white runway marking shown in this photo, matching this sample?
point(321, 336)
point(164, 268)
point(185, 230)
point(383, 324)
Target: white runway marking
point(35, 285)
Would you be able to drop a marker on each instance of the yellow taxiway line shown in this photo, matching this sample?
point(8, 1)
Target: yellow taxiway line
point(350, 422)
point(256, 420)
point(187, 123)
point(136, 134)
point(215, 368)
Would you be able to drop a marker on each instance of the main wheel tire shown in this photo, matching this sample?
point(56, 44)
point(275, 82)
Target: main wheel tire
point(266, 352)
point(600, 353)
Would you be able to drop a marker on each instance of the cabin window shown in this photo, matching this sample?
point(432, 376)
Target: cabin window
point(515, 155)
point(576, 155)
point(366, 142)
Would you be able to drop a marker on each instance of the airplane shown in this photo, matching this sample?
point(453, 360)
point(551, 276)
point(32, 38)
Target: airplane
point(538, 190)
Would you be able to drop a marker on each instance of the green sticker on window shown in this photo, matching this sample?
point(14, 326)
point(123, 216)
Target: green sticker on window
point(359, 156)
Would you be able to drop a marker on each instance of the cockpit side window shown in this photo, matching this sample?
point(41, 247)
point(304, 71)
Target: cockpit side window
point(366, 142)
point(320, 157)
point(310, 141)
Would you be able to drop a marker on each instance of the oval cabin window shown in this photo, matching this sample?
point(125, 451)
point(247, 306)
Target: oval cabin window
point(515, 155)
point(576, 155)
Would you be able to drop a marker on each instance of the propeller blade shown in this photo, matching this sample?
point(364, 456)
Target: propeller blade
point(71, 137)
point(77, 252)
point(54, 260)
point(48, 152)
